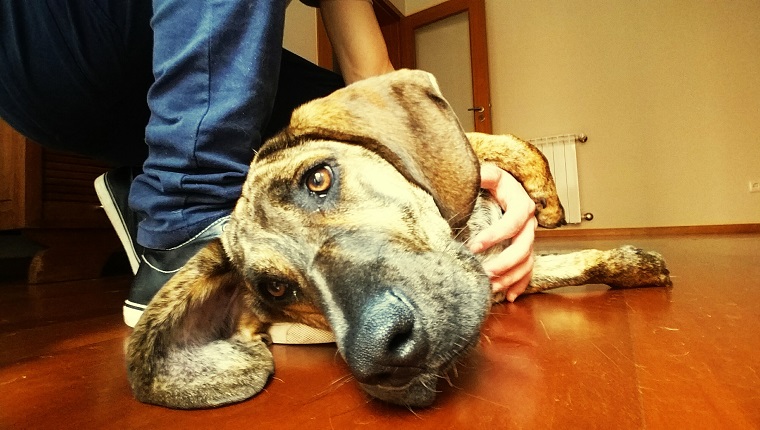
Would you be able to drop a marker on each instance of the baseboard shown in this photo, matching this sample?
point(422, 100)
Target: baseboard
point(651, 231)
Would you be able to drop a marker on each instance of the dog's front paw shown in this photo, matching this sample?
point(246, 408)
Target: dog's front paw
point(549, 211)
point(631, 267)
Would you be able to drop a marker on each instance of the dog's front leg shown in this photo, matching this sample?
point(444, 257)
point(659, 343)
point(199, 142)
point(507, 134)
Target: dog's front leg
point(624, 267)
point(529, 166)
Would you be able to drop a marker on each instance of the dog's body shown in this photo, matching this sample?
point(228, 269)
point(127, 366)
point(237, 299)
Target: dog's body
point(353, 219)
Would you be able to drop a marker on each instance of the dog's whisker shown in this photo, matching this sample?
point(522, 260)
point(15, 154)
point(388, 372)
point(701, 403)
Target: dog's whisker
point(445, 377)
point(343, 379)
point(484, 338)
point(424, 384)
point(412, 411)
point(335, 385)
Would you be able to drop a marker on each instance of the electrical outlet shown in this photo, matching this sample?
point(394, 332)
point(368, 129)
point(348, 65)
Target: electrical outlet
point(754, 186)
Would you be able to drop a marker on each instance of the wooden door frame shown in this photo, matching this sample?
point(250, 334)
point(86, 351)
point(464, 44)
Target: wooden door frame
point(481, 89)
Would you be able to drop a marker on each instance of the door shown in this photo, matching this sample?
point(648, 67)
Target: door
point(449, 41)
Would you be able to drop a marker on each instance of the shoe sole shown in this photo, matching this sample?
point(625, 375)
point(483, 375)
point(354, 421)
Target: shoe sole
point(114, 216)
point(298, 334)
point(132, 312)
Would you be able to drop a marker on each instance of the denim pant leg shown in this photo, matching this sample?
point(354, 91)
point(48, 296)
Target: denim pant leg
point(216, 67)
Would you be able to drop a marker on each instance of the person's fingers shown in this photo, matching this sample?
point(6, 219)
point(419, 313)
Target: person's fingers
point(514, 282)
point(518, 251)
point(511, 196)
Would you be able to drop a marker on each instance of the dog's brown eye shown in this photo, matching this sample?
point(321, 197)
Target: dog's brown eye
point(277, 289)
point(319, 180)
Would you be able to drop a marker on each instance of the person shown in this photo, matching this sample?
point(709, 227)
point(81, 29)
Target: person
point(76, 76)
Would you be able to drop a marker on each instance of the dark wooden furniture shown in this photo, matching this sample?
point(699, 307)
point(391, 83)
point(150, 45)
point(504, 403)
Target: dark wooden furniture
point(49, 197)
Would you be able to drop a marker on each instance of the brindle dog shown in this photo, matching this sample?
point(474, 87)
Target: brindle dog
point(353, 220)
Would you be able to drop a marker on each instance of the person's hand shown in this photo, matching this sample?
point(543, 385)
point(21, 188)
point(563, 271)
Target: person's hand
point(511, 270)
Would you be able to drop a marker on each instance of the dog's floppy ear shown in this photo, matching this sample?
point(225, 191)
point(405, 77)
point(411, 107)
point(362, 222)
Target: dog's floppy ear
point(403, 117)
point(196, 344)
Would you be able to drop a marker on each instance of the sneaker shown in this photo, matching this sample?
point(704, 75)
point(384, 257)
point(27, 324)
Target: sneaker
point(157, 266)
point(112, 189)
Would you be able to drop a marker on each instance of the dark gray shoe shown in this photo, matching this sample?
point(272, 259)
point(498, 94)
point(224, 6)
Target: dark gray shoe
point(158, 266)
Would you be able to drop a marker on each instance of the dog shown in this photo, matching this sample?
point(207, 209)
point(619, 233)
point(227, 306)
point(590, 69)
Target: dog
point(353, 219)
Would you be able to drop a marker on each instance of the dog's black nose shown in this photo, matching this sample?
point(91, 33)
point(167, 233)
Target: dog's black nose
point(388, 345)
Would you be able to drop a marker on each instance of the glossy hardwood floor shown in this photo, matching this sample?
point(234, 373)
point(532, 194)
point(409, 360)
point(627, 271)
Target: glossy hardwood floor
point(583, 358)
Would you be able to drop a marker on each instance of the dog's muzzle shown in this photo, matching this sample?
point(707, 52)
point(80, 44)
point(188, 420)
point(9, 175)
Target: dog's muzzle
point(401, 316)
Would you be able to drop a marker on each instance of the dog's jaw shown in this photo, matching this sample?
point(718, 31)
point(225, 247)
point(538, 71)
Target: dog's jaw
point(419, 393)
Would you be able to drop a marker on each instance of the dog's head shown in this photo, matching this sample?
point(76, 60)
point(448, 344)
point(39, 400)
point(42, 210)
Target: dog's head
point(349, 220)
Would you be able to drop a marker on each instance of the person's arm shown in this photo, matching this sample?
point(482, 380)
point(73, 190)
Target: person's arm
point(357, 41)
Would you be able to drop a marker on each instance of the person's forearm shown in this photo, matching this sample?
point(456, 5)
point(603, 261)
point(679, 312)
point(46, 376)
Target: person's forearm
point(357, 41)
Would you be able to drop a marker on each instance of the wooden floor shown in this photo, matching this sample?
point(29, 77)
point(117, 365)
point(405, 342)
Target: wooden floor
point(686, 357)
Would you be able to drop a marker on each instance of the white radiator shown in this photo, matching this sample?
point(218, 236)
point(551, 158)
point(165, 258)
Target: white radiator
point(560, 152)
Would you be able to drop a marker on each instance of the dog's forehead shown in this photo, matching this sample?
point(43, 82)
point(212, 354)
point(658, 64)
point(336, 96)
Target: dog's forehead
point(270, 202)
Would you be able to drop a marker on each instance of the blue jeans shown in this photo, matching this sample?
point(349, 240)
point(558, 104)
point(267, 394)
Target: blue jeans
point(216, 67)
point(222, 84)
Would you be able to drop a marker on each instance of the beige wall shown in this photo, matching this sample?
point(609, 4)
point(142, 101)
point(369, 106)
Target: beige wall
point(400, 5)
point(668, 92)
point(301, 30)
point(412, 6)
